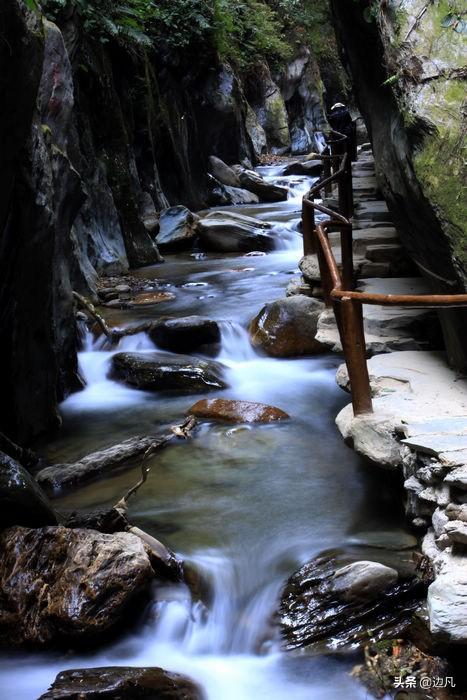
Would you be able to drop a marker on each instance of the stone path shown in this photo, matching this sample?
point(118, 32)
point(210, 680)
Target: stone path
point(419, 424)
point(381, 266)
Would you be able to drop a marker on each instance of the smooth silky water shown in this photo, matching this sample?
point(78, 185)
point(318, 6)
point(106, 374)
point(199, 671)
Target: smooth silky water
point(246, 505)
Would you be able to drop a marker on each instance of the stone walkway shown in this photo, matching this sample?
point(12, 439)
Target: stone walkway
point(382, 266)
point(419, 424)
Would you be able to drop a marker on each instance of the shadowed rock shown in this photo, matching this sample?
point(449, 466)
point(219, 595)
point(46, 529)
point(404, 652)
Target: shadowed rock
point(165, 372)
point(176, 228)
point(232, 235)
point(185, 334)
point(223, 173)
point(236, 411)
point(313, 168)
point(22, 501)
point(68, 585)
point(266, 191)
point(116, 682)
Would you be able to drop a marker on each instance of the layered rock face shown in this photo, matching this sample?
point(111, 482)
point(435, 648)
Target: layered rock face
point(406, 63)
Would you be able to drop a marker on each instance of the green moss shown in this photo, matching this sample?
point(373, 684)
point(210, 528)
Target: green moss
point(439, 167)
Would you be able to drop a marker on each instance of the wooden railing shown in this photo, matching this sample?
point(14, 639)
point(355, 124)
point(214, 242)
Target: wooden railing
point(338, 283)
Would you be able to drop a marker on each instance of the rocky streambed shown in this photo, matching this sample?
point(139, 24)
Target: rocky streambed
point(255, 533)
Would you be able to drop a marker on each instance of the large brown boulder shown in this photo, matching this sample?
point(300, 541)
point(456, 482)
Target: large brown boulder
point(232, 411)
point(116, 683)
point(164, 372)
point(59, 584)
point(22, 501)
point(287, 327)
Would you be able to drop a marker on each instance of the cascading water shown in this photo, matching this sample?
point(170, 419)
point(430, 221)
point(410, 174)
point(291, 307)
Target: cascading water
point(245, 505)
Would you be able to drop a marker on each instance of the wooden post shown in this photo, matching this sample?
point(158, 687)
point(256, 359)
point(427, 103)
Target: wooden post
point(327, 171)
point(326, 279)
point(308, 224)
point(347, 257)
point(353, 343)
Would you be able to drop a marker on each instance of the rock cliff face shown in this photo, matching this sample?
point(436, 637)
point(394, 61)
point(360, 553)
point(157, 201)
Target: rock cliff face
point(288, 107)
point(405, 60)
point(41, 195)
point(95, 141)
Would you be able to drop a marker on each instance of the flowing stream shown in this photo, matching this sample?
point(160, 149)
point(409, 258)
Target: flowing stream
point(247, 505)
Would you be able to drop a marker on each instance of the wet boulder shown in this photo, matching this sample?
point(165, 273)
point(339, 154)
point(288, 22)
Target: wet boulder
point(312, 168)
point(165, 372)
point(266, 191)
point(116, 682)
point(223, 173)
point(60, 584)
point(232, 411)
point(338, 601)
point(238, 195)
point(185, 334)
point(287, 327)
point(230, 235)
point(176, 228)
point(22, 501)
point(224, 195)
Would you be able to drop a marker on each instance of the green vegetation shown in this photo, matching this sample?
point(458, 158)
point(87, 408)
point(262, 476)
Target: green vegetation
point(242, 31)
point(439, 167)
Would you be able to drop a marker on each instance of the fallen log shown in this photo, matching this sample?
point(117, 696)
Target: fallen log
point(112, 334)
point(61, 477)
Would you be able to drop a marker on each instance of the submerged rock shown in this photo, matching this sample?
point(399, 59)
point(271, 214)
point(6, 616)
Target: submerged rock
point(185, 334)
point(232, 235)
point(116, 683)
point(266, 191)
point(69, 585)
point(333, 603)
point(22, 501)
point(287, 327)
point(165, 372)
point(176, 228)
point(236, 411)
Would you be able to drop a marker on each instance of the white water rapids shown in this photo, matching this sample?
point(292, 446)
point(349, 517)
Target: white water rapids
point(247, 505)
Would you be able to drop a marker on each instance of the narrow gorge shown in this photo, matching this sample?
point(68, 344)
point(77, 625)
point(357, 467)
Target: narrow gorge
point(192, 505)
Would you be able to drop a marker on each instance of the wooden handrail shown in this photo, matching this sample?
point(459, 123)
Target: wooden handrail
point(338, 289)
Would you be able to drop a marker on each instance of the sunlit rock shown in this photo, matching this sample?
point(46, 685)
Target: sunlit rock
point(287, 327)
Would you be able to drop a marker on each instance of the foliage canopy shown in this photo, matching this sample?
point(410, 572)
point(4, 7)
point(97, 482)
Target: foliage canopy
point(242, 31)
